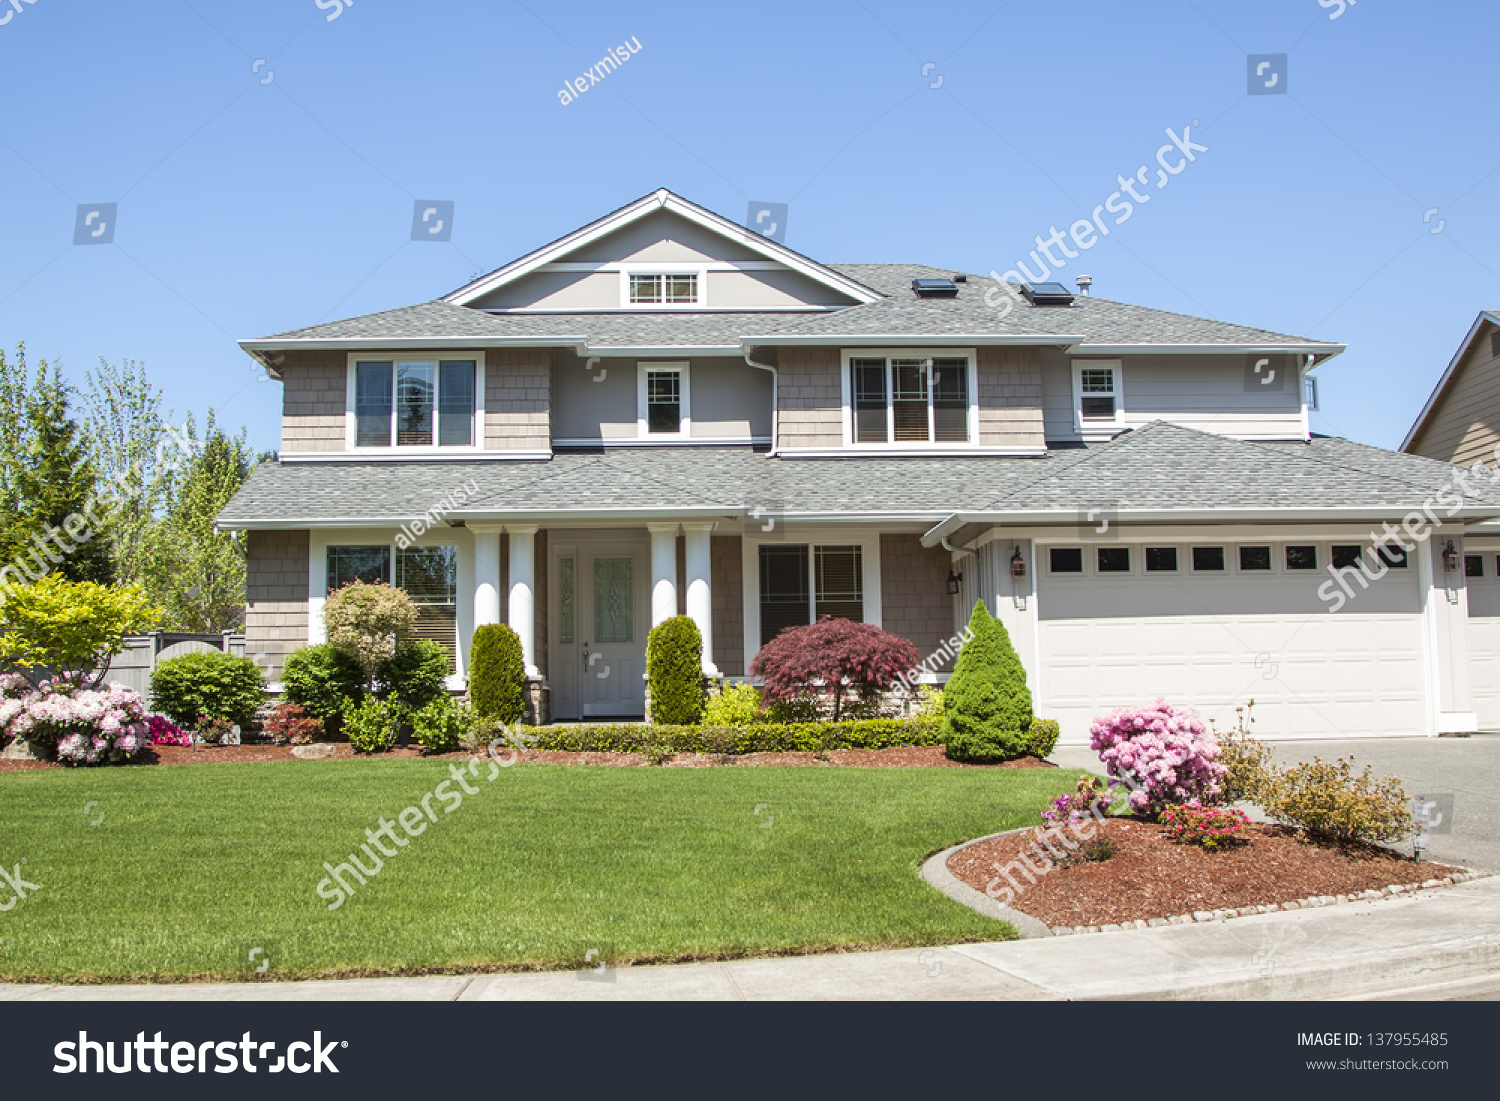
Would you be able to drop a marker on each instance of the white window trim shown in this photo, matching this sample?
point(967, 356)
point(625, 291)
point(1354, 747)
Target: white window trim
point(424, 451)
point(870, 581)
point(320, 539)
point(698, 271)
point(1098, 429)
point(846, 398)
point(684, 396)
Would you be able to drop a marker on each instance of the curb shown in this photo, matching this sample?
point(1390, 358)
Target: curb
point(935, 872)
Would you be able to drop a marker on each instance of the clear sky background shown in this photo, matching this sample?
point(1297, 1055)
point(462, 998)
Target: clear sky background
point(249, 207)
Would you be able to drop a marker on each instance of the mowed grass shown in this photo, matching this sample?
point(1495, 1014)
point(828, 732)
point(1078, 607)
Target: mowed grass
point(193, 867)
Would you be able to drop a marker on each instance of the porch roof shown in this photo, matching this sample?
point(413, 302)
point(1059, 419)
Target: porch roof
point(1158, 472)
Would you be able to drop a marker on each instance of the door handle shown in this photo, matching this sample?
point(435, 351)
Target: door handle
point(585, 655)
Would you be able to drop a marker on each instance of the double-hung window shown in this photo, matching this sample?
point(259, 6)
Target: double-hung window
point(1097, 401)
point(801, 583)
point(909, 399)
point(663, 408)
point(415, 403)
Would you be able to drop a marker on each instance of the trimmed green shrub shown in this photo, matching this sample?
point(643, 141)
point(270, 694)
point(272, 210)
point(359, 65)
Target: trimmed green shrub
point(322, 679)
point(1327, 801)
point(674, 672)
point(210, 683)
point(497, 674)
point(440, 725)
point(736, 705)
point(761, 737)
point(986, 704)
point(1041, 739)
point(415, 673)
point(368, 622)
point(372, 726)
point(931, 702)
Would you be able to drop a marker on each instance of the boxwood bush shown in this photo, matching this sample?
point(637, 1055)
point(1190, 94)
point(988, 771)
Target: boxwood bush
point(208, 684)
point(986, 704)
point(413, 676)
point(674, 672)
point(497, 674)
point(763, 737)
point(321, 679)
point(372, 726)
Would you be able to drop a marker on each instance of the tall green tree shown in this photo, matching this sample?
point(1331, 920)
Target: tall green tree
point(129, 434)
point(194, 572)
point(55, 522)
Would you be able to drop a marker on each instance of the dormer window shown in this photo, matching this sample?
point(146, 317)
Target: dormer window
point(413, 403)
point(664, 289)
point(908, 398)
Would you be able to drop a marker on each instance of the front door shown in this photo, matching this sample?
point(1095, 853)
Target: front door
point(601, 620)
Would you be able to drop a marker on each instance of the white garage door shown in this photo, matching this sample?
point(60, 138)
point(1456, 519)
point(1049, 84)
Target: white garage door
point(1483, 582)
point(1215, 642)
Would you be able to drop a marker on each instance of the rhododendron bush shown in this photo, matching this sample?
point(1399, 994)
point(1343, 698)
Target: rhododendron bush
point(82, 726)
point(1163, 754)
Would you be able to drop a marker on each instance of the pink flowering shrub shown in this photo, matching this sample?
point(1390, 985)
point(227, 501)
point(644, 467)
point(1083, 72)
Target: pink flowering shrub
point(166, 732)
point(1207, 827)
point(1162, 754)
point(82, 726)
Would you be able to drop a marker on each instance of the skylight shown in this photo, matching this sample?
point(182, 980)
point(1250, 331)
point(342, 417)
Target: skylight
point(934, 288)
point(1047, 294)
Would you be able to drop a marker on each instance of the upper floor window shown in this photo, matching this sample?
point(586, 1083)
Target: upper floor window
point(662, 401)
point(414, 403)
point(664, 289)
point(1097, 400)
point(910, 399)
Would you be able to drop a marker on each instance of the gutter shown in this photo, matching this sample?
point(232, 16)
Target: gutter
point(1042, 517)
point(916, 340)
point(741, 513)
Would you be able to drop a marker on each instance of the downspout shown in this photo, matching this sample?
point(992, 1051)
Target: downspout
point(775, 400)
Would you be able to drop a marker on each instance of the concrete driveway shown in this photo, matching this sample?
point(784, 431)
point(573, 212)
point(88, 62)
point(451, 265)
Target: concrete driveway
point(1467, 769)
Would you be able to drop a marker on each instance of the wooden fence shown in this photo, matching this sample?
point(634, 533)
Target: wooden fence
point(142, 653)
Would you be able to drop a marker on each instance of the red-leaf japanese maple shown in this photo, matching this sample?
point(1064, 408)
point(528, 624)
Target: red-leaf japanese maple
point(832, 659)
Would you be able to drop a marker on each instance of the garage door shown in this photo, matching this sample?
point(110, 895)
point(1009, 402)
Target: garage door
point(1215, 642)
point(1483, 580)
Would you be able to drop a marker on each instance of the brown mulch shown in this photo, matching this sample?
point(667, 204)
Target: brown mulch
point(1151, 877)
point(924, 756)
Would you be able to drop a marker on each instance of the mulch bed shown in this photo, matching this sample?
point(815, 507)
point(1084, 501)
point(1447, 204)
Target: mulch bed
point(925, 756)
point(1151, 877)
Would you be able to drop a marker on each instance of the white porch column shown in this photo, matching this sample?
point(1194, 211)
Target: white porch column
point(663, 571)
point(522, 608)
point(486, 573)
point(700, 603)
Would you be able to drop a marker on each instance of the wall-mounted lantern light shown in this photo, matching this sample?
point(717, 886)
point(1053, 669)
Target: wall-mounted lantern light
point(1450, 558)
point(1017, 564)
point(953, 582)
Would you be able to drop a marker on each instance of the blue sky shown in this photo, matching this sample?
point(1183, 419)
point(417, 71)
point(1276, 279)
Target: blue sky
point(248, 206)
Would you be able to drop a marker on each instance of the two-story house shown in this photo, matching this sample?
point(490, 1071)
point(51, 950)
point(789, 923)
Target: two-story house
point(664, 412)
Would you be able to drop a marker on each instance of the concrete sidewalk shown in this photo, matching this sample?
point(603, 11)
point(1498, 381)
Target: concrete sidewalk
point(1438, 944)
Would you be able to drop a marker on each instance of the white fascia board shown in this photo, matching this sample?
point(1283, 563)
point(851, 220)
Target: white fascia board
point(1324, 351)
point(364, 343)
point(388, 455)
point(661, 200)
point(1458, 357)
point(895, 451)
point(1352, 514)
point(617, 350)
point(911, 339)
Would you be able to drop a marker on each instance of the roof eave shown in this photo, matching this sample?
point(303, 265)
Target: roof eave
point(1447, 376)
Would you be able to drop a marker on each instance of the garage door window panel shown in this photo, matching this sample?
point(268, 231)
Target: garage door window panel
point(1114, 560)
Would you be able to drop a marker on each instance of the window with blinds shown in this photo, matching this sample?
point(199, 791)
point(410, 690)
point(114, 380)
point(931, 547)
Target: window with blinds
point(910, 399)
point(802, 583)
point(429, 575)
point(415, 403)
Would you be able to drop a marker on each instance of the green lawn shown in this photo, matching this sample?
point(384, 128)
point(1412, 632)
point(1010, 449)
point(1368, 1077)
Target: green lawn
point(192, 867)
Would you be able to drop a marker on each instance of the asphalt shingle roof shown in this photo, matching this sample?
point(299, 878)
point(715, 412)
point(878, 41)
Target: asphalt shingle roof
point(901, 312)
point(1158, 467)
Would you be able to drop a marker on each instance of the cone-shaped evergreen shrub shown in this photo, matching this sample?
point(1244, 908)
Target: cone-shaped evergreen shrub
point(674, 672)
point(497, 674)
point(986, 704)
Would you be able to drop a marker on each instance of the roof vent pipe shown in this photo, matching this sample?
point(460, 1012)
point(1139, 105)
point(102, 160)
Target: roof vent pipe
point(1084, 283)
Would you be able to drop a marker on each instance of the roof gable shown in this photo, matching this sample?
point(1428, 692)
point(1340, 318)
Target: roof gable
point(660, 228)
point(1455, 366)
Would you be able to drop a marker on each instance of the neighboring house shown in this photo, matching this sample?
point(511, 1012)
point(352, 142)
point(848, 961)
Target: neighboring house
point(1461, 424)
point(665, 412)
